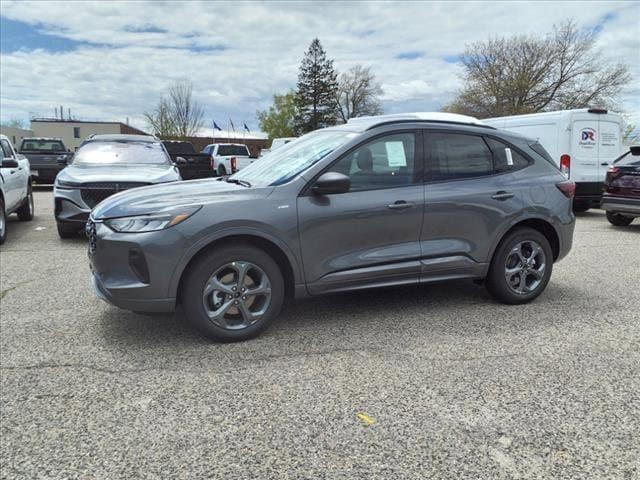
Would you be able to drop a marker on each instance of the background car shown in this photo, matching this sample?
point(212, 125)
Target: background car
point(621, 198)
point(102, 166)
point(15, 186)
point(379, 201)
point(228, 158)
point(47, 157)
point(190, 164)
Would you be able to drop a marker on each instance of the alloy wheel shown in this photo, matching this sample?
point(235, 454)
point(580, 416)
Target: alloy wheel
point(237, 295)
point(525, 267)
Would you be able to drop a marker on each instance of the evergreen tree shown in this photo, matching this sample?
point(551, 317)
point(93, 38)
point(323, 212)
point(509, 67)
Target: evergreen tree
point(317, 89)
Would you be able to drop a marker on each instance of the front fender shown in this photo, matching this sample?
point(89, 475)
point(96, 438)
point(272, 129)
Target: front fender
point(220, 234)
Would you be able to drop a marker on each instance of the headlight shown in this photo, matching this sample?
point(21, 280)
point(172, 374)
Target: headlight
point(152, 222)
point(63, 184)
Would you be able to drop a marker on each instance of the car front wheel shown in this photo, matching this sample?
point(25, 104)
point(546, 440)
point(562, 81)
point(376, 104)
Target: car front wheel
point(3, 222)
point(67, 230)
point(619, 220)
point(25, 212)
point(521, 267)
point(233, 293)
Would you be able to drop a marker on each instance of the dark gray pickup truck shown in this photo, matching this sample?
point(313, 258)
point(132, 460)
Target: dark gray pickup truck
point(47, 156)
point(191, 165)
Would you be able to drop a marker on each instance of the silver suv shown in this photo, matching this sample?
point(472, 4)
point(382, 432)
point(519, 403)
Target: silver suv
point(380, 201)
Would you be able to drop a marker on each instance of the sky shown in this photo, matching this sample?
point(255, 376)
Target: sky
point(113, 60)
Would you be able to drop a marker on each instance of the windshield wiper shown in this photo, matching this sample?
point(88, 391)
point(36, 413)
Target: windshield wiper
point(237, 181)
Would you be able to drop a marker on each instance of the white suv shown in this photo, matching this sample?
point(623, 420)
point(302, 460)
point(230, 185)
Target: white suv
point(15, 186)
point(228, 158)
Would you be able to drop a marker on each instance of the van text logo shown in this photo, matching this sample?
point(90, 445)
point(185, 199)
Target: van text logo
point(589, 135)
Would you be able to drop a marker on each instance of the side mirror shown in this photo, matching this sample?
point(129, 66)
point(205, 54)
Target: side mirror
point(331, 183)
point(62, 160)
point(635, 150)
point(181, 161)
point(9, 163)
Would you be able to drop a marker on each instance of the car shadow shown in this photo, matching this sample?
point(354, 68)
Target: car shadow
point(450, 308)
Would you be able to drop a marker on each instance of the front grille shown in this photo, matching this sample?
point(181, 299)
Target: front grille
point(93, 193)
point(90, 230)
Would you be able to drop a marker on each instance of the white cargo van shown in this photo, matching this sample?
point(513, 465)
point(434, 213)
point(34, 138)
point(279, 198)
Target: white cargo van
point(583, 143)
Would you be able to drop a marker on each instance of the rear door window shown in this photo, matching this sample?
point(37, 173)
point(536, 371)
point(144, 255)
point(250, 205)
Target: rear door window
point(456, 156)
point(504, 157)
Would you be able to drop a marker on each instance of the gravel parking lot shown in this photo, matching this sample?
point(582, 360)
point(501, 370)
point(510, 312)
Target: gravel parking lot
point(421, 382)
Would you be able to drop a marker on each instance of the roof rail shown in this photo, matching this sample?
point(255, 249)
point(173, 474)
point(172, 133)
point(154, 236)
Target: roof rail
point(431, 117)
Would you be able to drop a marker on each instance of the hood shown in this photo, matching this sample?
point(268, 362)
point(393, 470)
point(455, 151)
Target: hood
point(157, 198)
point(119, 173)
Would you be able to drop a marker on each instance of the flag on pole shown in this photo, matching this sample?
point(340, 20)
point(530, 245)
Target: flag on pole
point(246, 128)
point(216, 127)
point(233, 127)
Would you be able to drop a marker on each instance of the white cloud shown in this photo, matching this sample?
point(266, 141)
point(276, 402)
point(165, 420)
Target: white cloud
point(143, 47)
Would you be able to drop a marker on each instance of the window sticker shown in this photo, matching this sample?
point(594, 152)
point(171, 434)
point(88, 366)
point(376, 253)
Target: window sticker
point(395, 154)
point(507, 152)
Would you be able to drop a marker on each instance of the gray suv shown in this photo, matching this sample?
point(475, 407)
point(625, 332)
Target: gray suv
point(102, 166)
point(379, 201)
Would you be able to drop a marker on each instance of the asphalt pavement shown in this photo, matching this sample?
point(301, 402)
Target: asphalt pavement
point(416, 382)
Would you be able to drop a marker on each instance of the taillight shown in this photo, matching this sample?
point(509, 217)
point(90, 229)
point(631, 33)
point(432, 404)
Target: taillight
point(568, 188)
point(565, 164)
point(213, 162)
point(612, 174)
point(233, 164)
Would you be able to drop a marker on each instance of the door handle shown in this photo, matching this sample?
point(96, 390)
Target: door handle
point(400, 205)
point(604, 164)
point(502, 195)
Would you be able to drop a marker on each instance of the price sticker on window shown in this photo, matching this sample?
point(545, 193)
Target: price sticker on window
point(507, 152)
point(395, 154)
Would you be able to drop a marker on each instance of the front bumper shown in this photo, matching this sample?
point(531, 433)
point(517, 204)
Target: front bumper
point(133, 270)
point(624, 205)
point(69, 206)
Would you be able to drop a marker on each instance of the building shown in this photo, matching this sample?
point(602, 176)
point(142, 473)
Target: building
point(15, 134)
point(73, 132)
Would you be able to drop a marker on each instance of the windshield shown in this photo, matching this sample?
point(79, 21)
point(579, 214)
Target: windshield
point(131, 153)
point(45, 146)
point(293, 158)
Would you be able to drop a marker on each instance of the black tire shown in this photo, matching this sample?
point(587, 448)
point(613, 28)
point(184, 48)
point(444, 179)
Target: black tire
point(199, 274)
point(496, 281)
point(581, 207)
point(3, 222)
point(25, 212)
point(67, 230)
point(222, 171)
point(618, 219)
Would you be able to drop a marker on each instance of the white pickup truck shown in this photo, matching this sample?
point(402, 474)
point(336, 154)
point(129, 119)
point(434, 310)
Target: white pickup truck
point(15, 186)
point(228, 158)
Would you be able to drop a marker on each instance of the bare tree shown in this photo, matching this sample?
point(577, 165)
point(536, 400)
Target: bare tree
point(177, 114)
point(509, 76)
point(160, 121)
point(358, 94)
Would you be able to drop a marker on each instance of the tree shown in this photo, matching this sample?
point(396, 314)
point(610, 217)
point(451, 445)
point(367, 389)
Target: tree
point(316, 94)
point(177, 114)
point(279, 119)
point(358, 94)
point(516, 75)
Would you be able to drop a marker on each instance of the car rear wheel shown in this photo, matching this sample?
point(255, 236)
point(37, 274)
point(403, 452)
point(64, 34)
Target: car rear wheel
point(3, 222)
point(222, 171)
point(618, 219)
point(67, 230)
point(233, 293)
point(521, 267)
point(25, 212)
